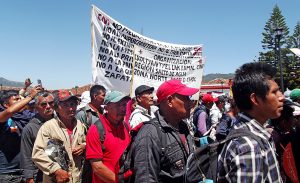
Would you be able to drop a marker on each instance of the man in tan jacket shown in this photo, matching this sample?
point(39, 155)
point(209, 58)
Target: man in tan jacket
point(65, 127)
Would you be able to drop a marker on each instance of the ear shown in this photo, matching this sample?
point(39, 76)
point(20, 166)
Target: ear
point(254, 99)
point(138, 98)
point(169, 101)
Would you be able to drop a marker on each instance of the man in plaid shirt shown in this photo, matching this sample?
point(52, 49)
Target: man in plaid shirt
point(258, 97)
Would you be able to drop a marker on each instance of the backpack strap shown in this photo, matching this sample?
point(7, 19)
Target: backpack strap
point(161, 137)
point(235, 133)
point(101, 132)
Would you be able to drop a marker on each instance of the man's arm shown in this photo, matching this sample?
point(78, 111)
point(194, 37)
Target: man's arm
point(201, 124)
point(103, 172)
point(244, 161)
point(94, 154)
point(8, 112)
point(39, 157)
point(26, 151)
point(146, 156)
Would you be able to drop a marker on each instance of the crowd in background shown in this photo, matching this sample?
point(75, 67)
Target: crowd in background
point(54, 136)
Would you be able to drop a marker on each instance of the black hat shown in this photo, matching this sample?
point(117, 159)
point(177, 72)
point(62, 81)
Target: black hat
point(142, 89)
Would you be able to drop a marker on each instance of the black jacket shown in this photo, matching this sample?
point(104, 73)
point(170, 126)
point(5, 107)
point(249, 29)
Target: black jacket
point(27, 141)
point(155, 161)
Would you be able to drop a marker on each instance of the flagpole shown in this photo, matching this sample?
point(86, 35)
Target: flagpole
point(132, 74)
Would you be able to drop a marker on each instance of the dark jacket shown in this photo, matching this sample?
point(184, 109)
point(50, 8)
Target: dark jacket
point(161, 160)
point(27, 141)
point(10, 141)
point(198, 110)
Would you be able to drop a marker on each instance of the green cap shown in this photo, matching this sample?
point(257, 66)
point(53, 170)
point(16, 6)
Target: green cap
point(114, 96)
point(295, 94)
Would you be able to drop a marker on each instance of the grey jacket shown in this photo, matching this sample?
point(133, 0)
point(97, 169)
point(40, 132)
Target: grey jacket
point(161, 160)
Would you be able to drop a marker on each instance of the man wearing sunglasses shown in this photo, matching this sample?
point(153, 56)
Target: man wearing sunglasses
point(43, 105)
point(65, 128)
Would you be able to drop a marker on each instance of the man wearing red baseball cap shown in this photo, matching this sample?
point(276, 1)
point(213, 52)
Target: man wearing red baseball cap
point(66, 128)
point(162, 145)
point(201, 115)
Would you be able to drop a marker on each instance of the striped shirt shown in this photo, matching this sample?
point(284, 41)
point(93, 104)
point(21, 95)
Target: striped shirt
point(242, 159)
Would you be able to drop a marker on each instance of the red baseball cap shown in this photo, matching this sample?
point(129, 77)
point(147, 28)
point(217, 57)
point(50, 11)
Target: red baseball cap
point(173, 86)
point(63, 95)
point(207, 98)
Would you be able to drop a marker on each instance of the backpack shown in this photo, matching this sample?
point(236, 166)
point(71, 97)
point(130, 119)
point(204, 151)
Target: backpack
point(87, 172)
point(202, 165)
point(125, 166)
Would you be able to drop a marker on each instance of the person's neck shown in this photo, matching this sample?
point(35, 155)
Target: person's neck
point(257, 115)
point(69, 123)
point(46, 117)
point(146, 107)
point(171, 119)
point(95, 105)
point(112, 121)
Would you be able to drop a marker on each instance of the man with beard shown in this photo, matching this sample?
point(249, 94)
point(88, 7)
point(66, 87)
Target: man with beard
point(65, 128)
point(43, 106)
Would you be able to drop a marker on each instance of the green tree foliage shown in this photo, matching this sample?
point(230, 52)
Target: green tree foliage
point(290, 63)
point(293, 60)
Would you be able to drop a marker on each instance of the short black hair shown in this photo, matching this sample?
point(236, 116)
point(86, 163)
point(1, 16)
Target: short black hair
point(251, 78)
point(95, 90)
point(5, 96)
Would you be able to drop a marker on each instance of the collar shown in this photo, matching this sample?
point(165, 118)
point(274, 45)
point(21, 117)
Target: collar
point(144, 111)
point(254, 125)
point(182, 125)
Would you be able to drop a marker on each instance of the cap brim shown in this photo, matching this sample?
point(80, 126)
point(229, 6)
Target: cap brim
point(119, 98)
point(69, 98)
point(188, 91)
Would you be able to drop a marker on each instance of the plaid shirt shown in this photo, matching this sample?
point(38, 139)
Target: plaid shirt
point(242, 159)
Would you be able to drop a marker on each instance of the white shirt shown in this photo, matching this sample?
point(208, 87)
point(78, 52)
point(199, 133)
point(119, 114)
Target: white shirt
point(140, 115)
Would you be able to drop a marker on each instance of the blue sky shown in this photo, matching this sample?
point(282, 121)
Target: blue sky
point(50, 40)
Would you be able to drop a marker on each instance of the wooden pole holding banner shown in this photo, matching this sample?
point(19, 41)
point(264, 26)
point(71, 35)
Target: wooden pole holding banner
point(132, 75)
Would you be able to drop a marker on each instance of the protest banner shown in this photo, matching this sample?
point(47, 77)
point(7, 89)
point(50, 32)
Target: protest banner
point(123, 59)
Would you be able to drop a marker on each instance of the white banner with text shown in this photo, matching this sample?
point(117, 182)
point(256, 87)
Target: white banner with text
point(123, 59)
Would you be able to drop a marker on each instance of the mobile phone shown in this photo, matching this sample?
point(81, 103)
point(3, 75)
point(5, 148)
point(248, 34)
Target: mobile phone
point(39, 82)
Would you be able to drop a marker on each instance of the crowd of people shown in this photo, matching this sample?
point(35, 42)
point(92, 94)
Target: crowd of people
point(59, 137)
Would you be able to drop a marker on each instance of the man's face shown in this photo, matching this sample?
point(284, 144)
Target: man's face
point(44, 106)
point(221, 105)
point(272, 105)
point(99, 99)
point(12, 100)
point(182, 105)
point(67, 109)
point(145, 99)
point(116, 111)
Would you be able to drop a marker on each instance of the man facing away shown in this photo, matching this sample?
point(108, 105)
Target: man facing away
point(67, 129)
point(201, 116)
point(258, 97)
point(104, 160)
point(142, 112)
point(89, 114)
point(150, 163)
point(43, 106)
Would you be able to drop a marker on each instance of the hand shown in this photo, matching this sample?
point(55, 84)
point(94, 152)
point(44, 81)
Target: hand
point(30, 180)
point(61, 176)
point(27, 83)
point(35, 90)
point(78, 150)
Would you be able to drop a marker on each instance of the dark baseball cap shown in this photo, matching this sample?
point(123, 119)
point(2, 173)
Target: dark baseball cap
point(63, 95)
point(142, 89)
